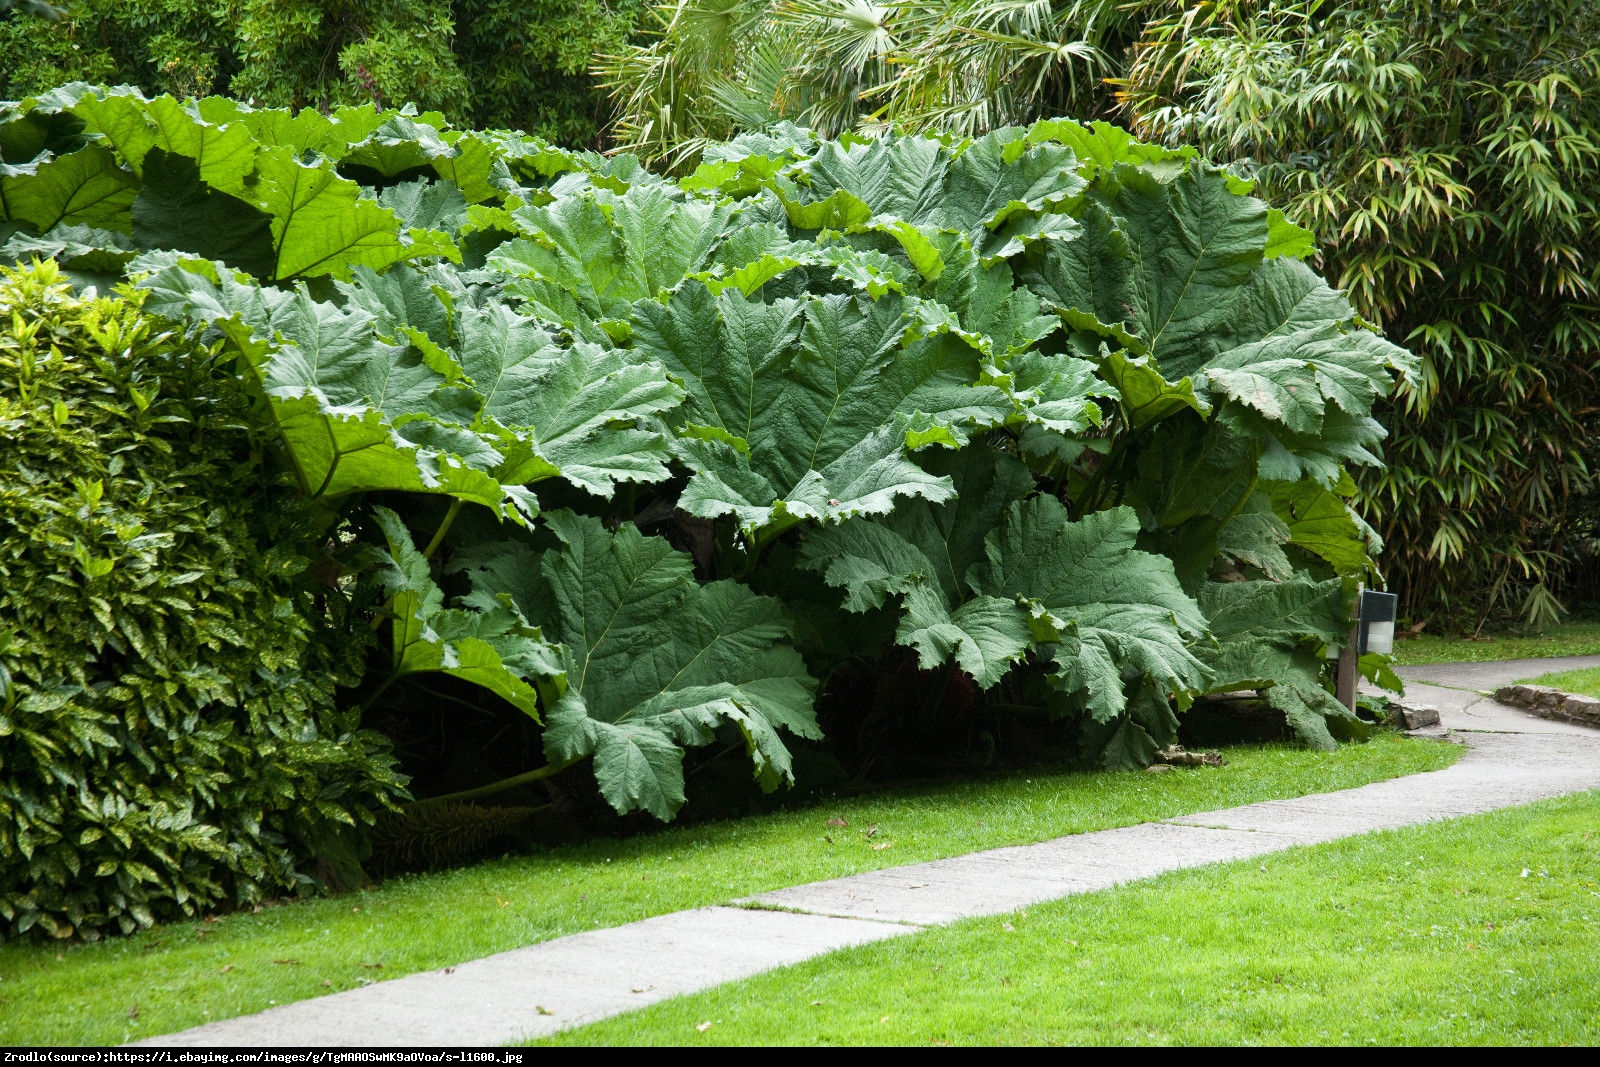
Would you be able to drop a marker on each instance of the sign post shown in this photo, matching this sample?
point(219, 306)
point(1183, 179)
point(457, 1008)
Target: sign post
point(1373, 632)
point(1349, 668)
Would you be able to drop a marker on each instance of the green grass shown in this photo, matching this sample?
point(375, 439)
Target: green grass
point(1585, 681)
point(1483, 930)
point(1568, 639)
point(184, 974)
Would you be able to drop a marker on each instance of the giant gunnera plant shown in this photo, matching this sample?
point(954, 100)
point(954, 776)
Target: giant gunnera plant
point(169, 740)
point(639, 463)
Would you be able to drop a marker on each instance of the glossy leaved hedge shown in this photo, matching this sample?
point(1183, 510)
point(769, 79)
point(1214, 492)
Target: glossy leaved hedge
point(169, 740)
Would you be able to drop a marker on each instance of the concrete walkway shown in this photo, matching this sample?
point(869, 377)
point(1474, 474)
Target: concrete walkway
point(1487, 677)
point(1461, 693)
point(1513, 758)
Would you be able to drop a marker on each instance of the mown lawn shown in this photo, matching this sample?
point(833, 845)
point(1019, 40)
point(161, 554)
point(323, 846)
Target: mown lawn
point(1482, 930)
point(1585, 681)
point(185, 974)
point(1568, 639)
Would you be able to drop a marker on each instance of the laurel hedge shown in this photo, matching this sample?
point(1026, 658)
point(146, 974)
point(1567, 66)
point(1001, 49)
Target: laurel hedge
point(169, 738)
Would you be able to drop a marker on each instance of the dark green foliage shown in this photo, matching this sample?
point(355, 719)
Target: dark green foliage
point(527, 63)
point(169, 739)
point(500, 63)
point(441, 833)
point(1447, 155)
point(1053, 425)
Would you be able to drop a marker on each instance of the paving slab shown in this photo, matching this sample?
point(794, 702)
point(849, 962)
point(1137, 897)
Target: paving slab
point(543, 988)
point(1002, 880)
point(1513, 758)
point(1483, 780)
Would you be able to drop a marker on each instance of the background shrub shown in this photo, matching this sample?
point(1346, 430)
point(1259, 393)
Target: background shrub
point(169, 739)
point(1447, 155)
point(702, 70)
point(503, 63)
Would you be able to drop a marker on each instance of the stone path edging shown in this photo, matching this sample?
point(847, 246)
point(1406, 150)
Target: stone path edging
point(1513, 759)
point(1548, 703)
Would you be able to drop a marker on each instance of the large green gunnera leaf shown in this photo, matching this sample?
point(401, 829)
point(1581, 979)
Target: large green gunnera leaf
point(1322, 522)
point(1111, 613)
point(578, 407)
point(311, 220)
point(989, 576)
point(1158, 263)
point(1195, 285)
point(82, 188)
point(655, 662)
point(586, 259)
point(490, 644)
point(78, 248)
point(323, 224)
point(1196, 491)
point(1267, 637)
point(350, 405)
point(551, 406)
point(999, 193)
point(924, 551)
point(799, 410)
